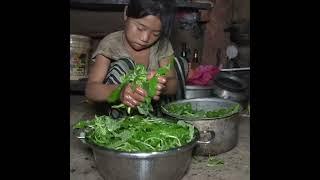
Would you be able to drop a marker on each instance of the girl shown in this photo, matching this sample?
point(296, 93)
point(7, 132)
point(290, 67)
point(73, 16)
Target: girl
point(144, 40)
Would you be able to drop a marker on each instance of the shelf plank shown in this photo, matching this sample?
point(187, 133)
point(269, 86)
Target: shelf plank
point(117, 4)
point(78, 86)
point(195, 5)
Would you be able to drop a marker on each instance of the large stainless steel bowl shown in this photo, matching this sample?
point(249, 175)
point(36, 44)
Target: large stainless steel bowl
point(166, 165)
point(225, 130)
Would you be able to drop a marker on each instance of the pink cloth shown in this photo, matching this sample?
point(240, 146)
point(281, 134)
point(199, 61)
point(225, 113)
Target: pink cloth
point(202, 75)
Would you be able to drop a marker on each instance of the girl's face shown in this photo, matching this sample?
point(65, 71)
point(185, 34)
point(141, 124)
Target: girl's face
point(143, 32)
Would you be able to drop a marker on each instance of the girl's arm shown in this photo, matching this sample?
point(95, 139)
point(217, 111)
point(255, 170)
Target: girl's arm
point(95, 89)
point(171, 84)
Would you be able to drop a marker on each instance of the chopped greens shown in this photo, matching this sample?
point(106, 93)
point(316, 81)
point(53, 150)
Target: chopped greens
point(138, 77)
point(186, 110)
point(213, 161)
point(136, 133)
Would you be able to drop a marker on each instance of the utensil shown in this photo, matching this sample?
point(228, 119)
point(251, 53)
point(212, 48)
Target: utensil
point(225, 129)
point(165, 165)
point(229, 86)
point(235, 69)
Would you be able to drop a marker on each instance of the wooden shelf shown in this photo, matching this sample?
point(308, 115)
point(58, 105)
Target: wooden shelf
point(78, 87)
point(118, 4)
point(194, 5)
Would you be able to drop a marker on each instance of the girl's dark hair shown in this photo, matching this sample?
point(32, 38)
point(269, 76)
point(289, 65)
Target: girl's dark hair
point(165, 9)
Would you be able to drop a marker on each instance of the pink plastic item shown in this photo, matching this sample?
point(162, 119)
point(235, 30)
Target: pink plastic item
point(202, 75)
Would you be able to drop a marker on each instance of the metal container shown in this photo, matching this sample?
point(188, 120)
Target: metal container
point(231, 87)
point(192, 91)
point(222, 131)
point(169, 165)
point(80, 47)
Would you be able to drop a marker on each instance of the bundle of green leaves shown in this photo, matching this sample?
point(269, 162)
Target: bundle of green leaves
point(138, 77)
point(136, 133)
point(186, 110)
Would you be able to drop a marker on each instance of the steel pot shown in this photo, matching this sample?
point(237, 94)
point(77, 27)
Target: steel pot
point(168, 165)
point(192, 91)
point(231, 87)
point(225, 129)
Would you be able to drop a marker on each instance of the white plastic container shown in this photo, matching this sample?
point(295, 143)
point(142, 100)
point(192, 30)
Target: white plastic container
point(80, 47)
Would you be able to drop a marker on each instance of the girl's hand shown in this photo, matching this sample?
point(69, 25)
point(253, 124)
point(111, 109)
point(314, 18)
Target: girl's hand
point(132, 98)
point(160, 86)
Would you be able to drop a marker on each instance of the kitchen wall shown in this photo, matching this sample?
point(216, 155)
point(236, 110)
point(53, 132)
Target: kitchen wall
point(241, 11)
point(220, 18)
point(207, 37)
point(97, 24)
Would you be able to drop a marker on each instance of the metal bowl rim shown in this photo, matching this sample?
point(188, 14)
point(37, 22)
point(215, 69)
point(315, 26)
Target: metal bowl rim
point(143, 155)
point(164, 109)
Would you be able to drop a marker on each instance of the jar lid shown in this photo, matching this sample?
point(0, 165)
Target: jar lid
point(79, 38)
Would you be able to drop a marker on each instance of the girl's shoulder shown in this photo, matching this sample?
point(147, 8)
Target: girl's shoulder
point(163, 49)
point(111, 46)
point(115, 37)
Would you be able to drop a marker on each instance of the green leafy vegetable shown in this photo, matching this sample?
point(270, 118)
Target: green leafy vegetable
point(136, 133)
point(186, 110)
point(138, 77)
point(213, 161)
